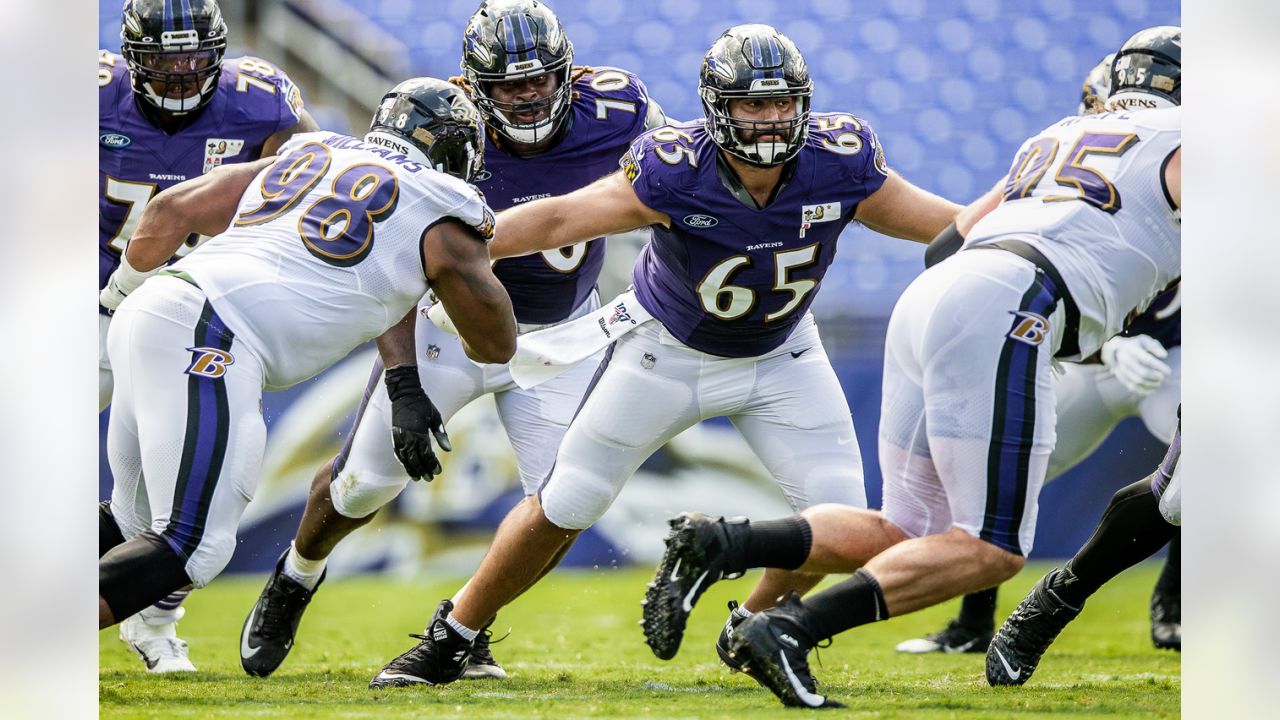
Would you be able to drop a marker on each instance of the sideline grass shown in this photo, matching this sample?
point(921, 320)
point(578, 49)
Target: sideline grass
point(576, 651)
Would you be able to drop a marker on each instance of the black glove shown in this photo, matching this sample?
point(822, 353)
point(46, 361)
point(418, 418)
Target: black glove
point(413, 421)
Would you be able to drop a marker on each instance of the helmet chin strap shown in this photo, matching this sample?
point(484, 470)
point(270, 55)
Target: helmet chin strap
point(178, 106)
point(770, 153)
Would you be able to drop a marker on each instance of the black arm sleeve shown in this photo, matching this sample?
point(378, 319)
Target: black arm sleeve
point(946, 244)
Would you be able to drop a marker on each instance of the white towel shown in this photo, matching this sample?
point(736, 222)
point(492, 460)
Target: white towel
point(544, 354)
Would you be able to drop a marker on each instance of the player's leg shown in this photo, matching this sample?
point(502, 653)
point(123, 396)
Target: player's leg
point(1091, 402)
point(347, 492)
point(634, 405)
point(1159, 413)
point(1132, 528)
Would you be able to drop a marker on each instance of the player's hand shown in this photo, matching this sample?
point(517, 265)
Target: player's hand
point(122, 282)
point(441, 319)
point(1137, 362)
point(414, 421)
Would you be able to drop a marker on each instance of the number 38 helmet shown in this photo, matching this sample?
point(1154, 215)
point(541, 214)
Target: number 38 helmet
point(755, 61)
point(509, 40)
point(431, 122)
point(1147, 71)
point(174, 51)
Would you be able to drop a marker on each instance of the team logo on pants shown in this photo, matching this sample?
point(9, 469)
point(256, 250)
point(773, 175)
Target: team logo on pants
point(209, 362)
point(1030, 328)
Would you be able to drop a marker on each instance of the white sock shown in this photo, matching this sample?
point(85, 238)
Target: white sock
point(305, 572)
point(467, 633)
point(742, 612)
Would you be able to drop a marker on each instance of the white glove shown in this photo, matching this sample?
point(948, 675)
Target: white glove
point(1136, 362)
point(441, 319)
point(122, 282)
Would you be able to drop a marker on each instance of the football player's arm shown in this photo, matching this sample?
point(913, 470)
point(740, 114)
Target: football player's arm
point(607, 206)
point(456, 262)
point(949, 241)
point(414, 419)
point(902, 210)
point(306, 124)
point(205, 205)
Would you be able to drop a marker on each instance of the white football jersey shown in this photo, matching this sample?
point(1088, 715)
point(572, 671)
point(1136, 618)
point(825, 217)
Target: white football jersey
point(325, 250)
point(1088, 192)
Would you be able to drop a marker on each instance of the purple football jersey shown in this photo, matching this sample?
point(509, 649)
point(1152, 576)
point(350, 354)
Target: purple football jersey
point(1162, 321)
point(608, 112)
point(136, 159)
point(731, 279)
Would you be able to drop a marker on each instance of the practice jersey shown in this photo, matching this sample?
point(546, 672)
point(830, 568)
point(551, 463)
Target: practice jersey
point(1089, 193)
point(136, 159)
point(608, 112)
point(325, 250)
point(726, 277)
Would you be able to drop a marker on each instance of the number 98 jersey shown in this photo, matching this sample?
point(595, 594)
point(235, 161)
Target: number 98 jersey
point(325, 251)
point(1088, 192)
point(730, 278)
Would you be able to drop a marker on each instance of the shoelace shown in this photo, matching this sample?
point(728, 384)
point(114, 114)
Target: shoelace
point(275, 616)
point(166, 647)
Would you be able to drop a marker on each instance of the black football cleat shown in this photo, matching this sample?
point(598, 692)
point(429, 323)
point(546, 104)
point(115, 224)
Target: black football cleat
point(726, 637)
point(954, 638)
point(694, 559)
point(1166, 621)
point(1028, 632)
point(482, 665)
point(440, 657)
point(269, 630)
point(773, 647)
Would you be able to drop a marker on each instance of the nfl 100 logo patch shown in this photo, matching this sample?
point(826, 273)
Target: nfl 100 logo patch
point(220, 150)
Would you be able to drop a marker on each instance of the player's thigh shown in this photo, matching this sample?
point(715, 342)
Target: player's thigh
point(105, 383)
point(800, 427)
point(1159, 410)
point(129, 504)
point(643, 394)
point(536, 419)
point(1088, 409)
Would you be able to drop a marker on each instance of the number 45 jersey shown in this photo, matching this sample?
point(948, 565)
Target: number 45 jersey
point(1088, 192)
point(729, 278)
point(325, 251)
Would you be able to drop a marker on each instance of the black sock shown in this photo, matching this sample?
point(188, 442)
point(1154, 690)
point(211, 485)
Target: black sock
point(978, 610)
point(1170, 582)
point(856, 601)
point(782, 544)
point(1130, 531)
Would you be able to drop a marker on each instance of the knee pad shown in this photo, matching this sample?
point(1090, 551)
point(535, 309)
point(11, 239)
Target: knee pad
point(575, 500)
point(109, 534)
point(210, 557)
point(138, 572)
point(359, 494)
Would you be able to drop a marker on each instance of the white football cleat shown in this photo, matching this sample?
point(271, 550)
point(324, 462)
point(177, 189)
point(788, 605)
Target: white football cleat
point(158, 645)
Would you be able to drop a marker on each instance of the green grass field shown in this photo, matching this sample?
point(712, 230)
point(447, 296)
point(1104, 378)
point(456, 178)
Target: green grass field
point(576, 651)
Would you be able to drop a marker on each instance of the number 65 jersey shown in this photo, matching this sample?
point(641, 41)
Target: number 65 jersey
point(325, 251)
point(1088, 192)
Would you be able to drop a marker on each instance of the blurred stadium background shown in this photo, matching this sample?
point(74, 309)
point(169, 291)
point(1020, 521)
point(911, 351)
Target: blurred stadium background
point(952, 87)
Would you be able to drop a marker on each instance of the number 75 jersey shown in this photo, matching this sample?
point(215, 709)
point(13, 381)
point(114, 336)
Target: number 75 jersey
point(1089, 193)
point(325, 251)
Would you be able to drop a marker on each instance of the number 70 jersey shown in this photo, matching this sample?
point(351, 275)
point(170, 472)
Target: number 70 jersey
point(1089, 193)
point(325, 251)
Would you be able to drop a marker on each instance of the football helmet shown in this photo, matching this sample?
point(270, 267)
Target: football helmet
point(174, 52)
point(509, 40)
point(1147, 70)
point(755, 61)
point(431, 122)
point(1097, 86)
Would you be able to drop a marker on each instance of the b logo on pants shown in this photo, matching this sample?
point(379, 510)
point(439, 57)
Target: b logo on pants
point(1030, 328)
point(209, 362)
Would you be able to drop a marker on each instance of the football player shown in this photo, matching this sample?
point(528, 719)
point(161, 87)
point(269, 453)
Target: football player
point(553, 128)
point(1138, 375)
point(317, 251)
point(1140, 519)
point(1085, 231)
point(170, 107)
point(746, 207)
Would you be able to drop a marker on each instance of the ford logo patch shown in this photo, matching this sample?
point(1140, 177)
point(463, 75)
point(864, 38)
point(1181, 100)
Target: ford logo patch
point(700, 221)
point(113, 140)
